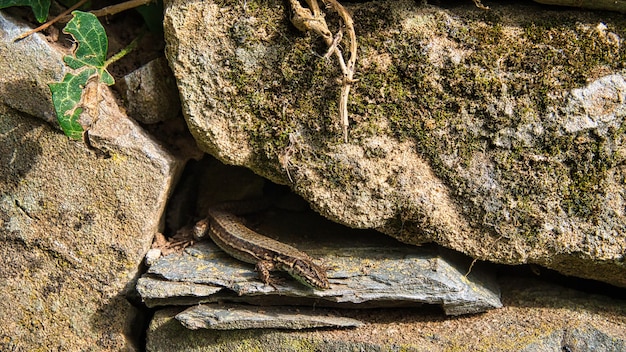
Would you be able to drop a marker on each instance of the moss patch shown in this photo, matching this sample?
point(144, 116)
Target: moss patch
point(453, 109)
point(481, 96)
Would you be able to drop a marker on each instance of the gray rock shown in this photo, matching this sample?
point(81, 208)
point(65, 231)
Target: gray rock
point(536, 317)
point(158, 292)
point(150, 93)
point(583, 338)
point(234, 317)
point(27, 67)
point(591, 339)
point(495, 133)
point(378, 276)
point(74, 227)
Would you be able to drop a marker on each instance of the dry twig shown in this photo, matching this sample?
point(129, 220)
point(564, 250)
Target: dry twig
point(52, 21)
point(106, 11)
point(312, 19)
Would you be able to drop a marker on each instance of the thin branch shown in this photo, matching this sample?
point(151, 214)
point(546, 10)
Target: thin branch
point(480, 5)
point(117, 8)
point(105, 11)
point(304, 20)
point(52, 21)
point(114, 9)
point(312, 20)
point(348, 71)
point(315, 9)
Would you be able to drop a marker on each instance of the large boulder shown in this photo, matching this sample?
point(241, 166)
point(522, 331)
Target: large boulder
point(496, 133)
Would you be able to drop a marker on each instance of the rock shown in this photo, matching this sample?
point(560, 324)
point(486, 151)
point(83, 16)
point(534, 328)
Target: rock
point(536, 316)
point(375, 272)
point(158, 292)
point(495, 133)
point(234, 317)
point(75, 223)
point(150, 92)
point(591, 339)
point(73, 231)
point(152, 256)
point(27, 67)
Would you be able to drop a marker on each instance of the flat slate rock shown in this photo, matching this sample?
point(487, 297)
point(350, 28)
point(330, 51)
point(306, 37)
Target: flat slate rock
point(235, 317)
point(537, 316)
point(360, 276)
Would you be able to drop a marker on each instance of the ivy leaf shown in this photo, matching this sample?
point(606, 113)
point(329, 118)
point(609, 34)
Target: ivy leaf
point(66, 97)
point(93, 44)
point(89, 61)
point(40, 7)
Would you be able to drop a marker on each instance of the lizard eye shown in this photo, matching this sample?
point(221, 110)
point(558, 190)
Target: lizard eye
point(305, 267)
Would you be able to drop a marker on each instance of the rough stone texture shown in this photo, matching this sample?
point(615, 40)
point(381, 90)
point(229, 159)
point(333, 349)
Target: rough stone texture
point(150, 92)
point(27, 68)
point(536, 317)
point(496, 133)
point(75, 221)
point(74, 227)
point(368, 274)
point(238, 317)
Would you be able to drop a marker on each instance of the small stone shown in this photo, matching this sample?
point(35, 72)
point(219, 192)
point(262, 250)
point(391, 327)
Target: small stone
point(152, 256)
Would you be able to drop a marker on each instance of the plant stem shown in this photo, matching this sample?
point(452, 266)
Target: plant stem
point(130, 47)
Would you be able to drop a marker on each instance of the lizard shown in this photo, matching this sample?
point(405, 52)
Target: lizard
point(233, 237)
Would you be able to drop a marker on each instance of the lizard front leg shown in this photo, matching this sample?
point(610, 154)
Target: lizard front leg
point(263, 267)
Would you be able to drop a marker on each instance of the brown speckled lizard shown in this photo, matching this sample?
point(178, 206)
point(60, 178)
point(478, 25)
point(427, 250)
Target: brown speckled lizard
point(229, 233)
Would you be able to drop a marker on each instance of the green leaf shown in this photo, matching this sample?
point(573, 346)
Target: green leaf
point(40, 7)
point(89, 60)
point(92, 41)
point(66, 98)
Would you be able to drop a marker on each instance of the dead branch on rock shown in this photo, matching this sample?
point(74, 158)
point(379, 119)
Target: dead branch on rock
point(312, 19)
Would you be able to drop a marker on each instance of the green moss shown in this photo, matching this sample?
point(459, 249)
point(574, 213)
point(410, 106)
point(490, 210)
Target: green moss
point(458, 113)
point(452, 111)
point(588, 166)
point(301, 345)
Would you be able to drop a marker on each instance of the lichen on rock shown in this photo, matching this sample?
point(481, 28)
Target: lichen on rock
point(496, 133)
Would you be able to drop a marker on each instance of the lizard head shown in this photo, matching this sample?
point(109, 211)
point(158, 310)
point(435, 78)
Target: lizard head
point(310, 275)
